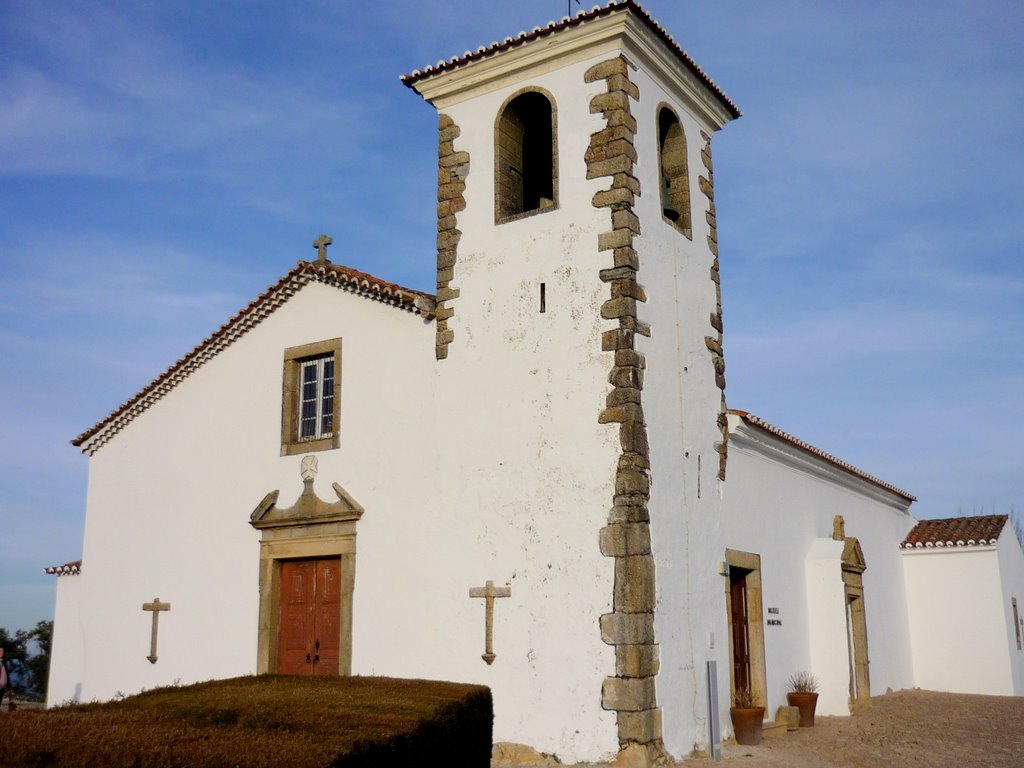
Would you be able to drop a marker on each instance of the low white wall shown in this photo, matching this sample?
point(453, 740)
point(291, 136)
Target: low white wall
point(1011, 569)
point(67, 663)
point(958, 620)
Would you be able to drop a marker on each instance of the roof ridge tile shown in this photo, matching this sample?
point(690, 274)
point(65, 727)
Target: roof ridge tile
point(969, 531)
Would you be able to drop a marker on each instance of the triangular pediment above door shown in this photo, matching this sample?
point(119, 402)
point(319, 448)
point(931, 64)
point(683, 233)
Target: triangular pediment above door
point(853, 556)
point(308, 509)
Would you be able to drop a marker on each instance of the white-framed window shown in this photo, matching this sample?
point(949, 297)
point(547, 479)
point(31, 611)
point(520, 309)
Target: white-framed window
point(316, 398)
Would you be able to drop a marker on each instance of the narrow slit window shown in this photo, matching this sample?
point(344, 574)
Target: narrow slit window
point(525, 157)
point(675, 177)
point(1016, 622)
point(543, 298)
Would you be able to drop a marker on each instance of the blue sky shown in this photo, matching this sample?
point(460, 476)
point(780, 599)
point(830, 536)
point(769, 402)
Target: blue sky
point(162, 163)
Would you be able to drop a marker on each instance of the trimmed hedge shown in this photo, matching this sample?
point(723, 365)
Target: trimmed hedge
point(270, 721)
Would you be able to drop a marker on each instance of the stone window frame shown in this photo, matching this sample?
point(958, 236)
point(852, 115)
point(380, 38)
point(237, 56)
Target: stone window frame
point(293, 356)
point(499, 217)
point(750, 562)
point(681, 199)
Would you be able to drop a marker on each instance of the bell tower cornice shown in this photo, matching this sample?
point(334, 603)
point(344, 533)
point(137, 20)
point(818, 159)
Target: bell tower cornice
point(617, 29)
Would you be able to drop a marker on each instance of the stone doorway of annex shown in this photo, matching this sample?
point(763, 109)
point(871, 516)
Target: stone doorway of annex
point(746, 624)
point(856, 629)
point(853, 566)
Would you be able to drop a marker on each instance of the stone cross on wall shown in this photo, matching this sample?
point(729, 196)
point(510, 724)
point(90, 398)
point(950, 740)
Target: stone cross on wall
point(321, 244)
point(156, 606)
point(489, 592)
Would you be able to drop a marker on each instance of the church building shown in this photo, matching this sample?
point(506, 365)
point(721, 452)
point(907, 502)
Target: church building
point(528, 478)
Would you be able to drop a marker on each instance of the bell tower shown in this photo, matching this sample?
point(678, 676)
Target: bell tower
point(581, 370)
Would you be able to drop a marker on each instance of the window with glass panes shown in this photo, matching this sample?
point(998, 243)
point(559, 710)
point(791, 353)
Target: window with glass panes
point(316, 397)
point(311, 397)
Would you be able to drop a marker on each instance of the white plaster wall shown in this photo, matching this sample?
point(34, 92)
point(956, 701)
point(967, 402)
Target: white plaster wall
point(527, 471)
point(958, 620)
point(681, 405)
point(778, 502)
point(66, 661)
point(828, 636)
point(169, 498)
point(1011, 570)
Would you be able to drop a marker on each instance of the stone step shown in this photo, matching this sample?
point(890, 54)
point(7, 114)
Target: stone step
point(773, 730)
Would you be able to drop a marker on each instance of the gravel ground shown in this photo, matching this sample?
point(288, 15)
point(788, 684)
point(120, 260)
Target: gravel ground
point(908, 729)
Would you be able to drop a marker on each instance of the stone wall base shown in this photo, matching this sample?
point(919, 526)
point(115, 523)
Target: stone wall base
point(642, 756)
point(506, 754)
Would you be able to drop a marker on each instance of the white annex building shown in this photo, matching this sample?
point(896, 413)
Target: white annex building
point(528, 479)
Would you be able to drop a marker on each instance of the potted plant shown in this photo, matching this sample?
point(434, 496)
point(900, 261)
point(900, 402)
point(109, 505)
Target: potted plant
point(803, 694)
point(747, 717)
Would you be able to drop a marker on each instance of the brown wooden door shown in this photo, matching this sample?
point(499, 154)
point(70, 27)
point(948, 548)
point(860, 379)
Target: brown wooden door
point(327, 633)
point(740, 629)
point(309, 635)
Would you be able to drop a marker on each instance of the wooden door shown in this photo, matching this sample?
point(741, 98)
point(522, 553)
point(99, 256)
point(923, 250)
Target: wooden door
point(739, 624)
point(309, 634)
point(327, 632)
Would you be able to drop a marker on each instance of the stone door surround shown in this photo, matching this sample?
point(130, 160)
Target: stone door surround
point(751, 563)
point(311, 528)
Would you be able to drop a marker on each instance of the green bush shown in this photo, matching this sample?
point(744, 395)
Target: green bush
point(267, 722)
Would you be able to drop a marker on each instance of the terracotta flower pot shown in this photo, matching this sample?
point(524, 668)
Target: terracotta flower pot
point(747, 724)
point(805, 702)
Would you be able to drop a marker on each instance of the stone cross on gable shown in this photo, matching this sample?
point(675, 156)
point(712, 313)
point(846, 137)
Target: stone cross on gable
point(156, 606)
point(321, 244)
point(489, 592)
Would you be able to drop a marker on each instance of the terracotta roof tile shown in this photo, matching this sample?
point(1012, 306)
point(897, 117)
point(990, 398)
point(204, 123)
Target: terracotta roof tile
point(772, 429)
point(975, 531)
point(249, 317)
point(614, 6)
point(67, 569)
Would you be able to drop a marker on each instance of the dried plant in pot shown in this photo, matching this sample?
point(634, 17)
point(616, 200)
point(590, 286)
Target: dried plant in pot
point(803, 694)
point(747, 717)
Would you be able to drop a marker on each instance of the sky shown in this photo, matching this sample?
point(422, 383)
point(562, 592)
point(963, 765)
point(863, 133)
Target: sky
point(162, 163)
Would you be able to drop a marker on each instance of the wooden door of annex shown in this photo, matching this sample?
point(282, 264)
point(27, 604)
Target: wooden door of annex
point(309, 636)
point(740, 624)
